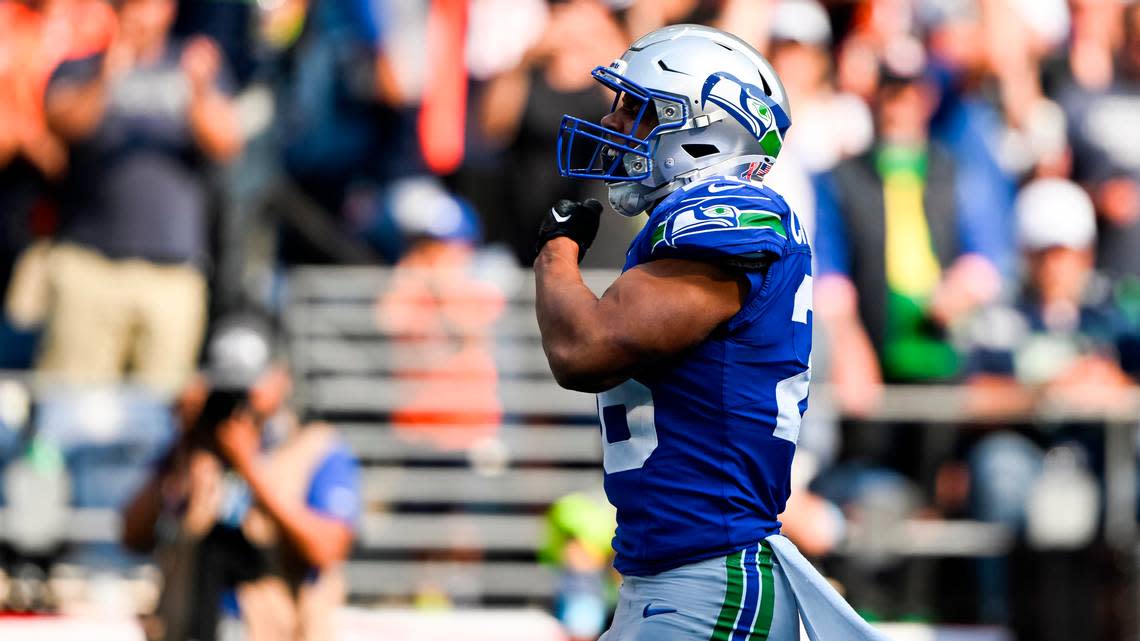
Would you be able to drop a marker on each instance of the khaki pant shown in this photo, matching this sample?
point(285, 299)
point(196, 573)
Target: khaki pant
point(108, 318)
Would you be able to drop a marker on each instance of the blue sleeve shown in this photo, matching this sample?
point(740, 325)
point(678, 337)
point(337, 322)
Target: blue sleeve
point(721, 221)
point(830, 243)
point(985, 202)
point(983, 191)
point(335, 488)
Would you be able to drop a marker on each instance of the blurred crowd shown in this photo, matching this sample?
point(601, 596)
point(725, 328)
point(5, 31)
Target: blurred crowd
point(969, 169)
point(951, 156)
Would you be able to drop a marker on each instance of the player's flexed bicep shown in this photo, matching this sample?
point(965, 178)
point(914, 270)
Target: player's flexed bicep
point(650, 313)
point(662, 308)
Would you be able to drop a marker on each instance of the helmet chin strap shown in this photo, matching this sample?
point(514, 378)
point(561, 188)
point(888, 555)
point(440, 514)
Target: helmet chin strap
point(630, 199)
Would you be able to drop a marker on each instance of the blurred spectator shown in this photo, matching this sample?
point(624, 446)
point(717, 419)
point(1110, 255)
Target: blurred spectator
point(969, 122)
point(898, 261)
point(522, 108)
point(875, 24)
point(1025, 34)
point(442, 314)
point(141, 119)
point(348, 115)
point(579, 527)
point(24, 55)
point(442, 114)
point(1102, 125)
point(830, 126)
point(250, 515)
point(1064, 334)
point(1095, 42)
point(34, 38)
point(500, 33)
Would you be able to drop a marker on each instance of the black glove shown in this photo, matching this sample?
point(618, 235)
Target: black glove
point(576, 221)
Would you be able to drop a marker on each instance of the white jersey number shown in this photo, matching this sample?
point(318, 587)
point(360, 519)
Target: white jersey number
point(629, 434)
point(791, 391)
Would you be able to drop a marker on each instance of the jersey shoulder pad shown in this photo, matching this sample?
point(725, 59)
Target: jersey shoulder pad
point(720, 219)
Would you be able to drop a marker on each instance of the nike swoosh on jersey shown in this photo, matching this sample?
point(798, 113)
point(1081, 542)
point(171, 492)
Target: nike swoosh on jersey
point(560, 219)
point(651, 611)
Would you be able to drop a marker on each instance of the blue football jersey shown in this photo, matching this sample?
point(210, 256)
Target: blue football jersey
point(698, 450)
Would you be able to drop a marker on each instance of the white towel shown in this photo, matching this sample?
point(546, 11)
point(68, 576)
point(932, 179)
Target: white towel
point(824, 614)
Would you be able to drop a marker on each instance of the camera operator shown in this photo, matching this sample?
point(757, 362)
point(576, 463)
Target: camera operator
point(248, 515)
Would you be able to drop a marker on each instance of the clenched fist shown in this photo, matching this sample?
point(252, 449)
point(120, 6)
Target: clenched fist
point(574, 220)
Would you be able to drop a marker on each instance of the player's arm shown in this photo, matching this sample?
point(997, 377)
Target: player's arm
point(650, 313)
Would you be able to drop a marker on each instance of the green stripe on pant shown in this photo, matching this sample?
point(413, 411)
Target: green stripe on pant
point(733, 595)
point(763, 624)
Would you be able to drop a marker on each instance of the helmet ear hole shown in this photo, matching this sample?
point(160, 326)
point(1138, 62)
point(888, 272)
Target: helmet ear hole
point(700, 150)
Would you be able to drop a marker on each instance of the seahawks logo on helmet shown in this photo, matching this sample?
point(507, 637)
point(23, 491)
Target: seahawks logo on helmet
point(749, 106)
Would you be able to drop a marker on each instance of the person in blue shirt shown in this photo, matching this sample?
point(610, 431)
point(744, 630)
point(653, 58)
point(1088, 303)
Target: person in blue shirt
point(700, 352)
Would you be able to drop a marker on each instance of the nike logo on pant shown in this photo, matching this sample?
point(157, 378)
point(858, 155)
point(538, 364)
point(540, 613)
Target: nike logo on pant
point(650, 611)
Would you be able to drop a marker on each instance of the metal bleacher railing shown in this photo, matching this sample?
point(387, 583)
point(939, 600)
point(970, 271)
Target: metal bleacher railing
point(487, 499)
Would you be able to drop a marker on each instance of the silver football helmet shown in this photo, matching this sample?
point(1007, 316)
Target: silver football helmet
point(720, 109)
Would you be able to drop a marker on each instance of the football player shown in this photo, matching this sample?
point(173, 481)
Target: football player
point(700, 352)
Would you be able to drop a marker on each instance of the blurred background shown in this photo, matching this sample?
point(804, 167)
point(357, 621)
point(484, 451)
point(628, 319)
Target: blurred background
point(322, 213)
